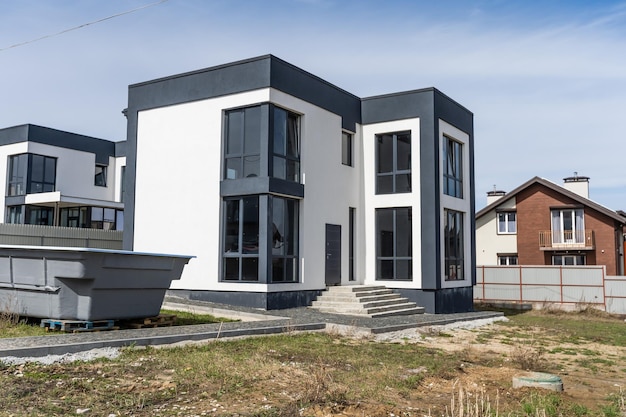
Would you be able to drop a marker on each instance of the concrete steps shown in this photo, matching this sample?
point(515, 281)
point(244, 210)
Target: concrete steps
point(364, 300)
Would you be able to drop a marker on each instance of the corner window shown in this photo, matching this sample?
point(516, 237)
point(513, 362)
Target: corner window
point(30, 174)
point(393, 163)
point(452, 167)
point(100, 178)
point(507, 260)
point(453, 245)
point(241, 239)
point(507, 222)
point(394, 244)
point(251, 129)
point(346, 149)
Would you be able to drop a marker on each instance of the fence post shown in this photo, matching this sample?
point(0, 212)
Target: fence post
point(561, 283)
point(483, 280)
point(521, 285)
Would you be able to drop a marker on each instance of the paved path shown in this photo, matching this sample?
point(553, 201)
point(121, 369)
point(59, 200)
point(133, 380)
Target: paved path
point(254, 322)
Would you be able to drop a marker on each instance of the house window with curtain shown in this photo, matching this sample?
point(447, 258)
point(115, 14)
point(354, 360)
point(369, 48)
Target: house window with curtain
point(452, 167)
point(568, 226)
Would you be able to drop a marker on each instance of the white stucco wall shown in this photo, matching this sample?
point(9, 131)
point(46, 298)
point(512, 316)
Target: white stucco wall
point(372, 201)
point(458, 204)
point(177, 197)
point(488, 242)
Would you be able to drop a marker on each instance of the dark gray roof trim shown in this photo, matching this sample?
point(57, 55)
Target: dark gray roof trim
point(554, 187)
point(247, 75)
point(47, 136)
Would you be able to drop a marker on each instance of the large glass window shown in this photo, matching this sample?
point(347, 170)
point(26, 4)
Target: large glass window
point(285, 145)
point(241, 239)
point(394, 244)
point(393, 163)
point(243, 143)
point(351, 243)
point(284, 239)
point(507, 222)
point(453, 245)
point(40, 215)
point(30, 173)
point(452, 167)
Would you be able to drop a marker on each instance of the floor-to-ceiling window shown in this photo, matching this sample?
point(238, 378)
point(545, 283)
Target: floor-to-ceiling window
point(394, 241)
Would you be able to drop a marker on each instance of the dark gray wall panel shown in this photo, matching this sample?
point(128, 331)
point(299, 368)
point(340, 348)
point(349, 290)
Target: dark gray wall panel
point(418, 104)
point(265, 301)
point(306, 86)
point(442, 301)
point(458, 116)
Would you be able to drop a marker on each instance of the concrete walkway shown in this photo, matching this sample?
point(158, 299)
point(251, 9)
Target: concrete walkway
point(253, 323)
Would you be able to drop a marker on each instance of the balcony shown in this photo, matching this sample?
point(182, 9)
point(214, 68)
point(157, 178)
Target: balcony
point(568, 239)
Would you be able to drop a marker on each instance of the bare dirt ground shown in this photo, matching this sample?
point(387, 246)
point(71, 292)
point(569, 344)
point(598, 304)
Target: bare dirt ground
point(486, 357)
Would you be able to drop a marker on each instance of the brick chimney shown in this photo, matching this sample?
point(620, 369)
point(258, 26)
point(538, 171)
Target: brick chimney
point(577, 184)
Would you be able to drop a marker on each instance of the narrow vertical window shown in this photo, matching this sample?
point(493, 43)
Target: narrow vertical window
point(285, 145)
point(243, 143)
point(452, 167)
point(100, 178)
point(394, 244)
point(351, 243)
point(346, 149)
point(241, 239)
point(284, 233)
point(453, 245)
point(393, 163)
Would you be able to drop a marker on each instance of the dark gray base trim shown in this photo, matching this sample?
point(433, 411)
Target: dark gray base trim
point(156, 340)
point(262, 300)
point(444, 301)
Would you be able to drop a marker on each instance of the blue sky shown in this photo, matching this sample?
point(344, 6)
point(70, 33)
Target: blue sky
point(546, 80)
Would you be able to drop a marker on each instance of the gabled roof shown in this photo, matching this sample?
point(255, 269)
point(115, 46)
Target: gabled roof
point(557, 188)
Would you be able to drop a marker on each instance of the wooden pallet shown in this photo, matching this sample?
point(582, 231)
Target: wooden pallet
point(161, 320)
point(77, 326)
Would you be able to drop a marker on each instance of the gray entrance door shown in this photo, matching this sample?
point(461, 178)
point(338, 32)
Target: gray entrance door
point(333, 254)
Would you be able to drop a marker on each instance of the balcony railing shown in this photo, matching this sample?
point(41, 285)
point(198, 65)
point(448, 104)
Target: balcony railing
point(568, 239)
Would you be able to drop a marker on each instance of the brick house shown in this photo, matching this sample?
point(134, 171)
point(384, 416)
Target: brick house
point(542, 223)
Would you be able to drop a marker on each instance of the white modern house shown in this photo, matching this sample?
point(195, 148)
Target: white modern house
point(282, 184)
point(58, 178)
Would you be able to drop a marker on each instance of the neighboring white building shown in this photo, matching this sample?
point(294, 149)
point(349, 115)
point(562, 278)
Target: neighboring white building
point(282, 184)
point(59, 178)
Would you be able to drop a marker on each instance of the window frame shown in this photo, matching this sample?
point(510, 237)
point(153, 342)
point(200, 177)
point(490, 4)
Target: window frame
point(505, 259)
point(347, 148)
point(395, 172)
point(507, 222)
point(239, 253)
point(289, 158)
point(394, 258)
point(289, 239)
point(100, 176)
point(454, 245)
point(452, 181)
point(243, 155)
point(576, 258)
point(26, 183)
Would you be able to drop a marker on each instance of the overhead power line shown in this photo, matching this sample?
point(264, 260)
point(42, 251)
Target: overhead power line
point(83, 25)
